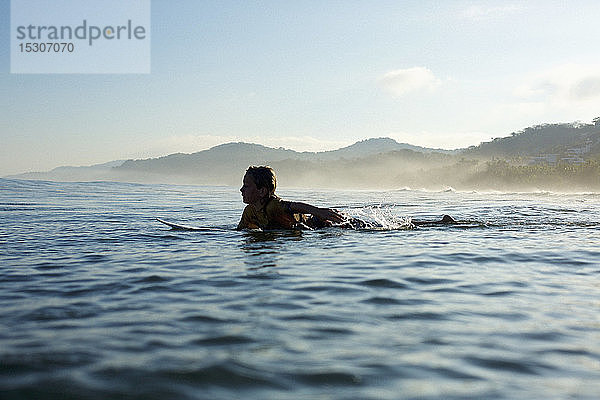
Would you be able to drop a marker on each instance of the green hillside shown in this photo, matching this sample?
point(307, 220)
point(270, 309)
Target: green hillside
point(541, 139)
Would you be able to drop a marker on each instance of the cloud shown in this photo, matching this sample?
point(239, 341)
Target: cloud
point(402, 81)
point(587, 87)
point(570, 83)
point(564, 93)
point(483, 12)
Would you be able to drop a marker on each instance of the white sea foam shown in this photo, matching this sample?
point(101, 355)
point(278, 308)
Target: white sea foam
point(382, 217)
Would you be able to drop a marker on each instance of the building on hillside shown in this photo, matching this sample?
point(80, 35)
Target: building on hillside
point(543, 159)
point(573, 160)
point(572, 155)
point(581, 150)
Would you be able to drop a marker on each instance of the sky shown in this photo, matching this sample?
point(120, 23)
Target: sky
point(311, 76)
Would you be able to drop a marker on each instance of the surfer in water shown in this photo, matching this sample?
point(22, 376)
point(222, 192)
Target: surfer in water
point(266, 210)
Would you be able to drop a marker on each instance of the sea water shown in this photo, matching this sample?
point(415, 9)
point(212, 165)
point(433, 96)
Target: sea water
point(101, 301)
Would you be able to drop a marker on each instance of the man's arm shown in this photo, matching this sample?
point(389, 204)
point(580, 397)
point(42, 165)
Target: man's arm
point(327, 214)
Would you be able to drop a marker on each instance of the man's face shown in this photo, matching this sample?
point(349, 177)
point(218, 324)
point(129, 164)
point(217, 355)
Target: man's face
point(250, 193)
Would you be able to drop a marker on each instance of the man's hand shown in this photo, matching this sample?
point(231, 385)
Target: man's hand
point(329, 214)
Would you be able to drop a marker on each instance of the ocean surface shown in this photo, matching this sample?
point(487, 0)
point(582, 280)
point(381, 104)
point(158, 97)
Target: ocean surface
point(101, 301)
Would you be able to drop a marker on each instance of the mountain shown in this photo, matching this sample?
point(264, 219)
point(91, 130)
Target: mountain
point(531, 158)
point(541, 139)
point(96, 172)
point(225, 163)
point(240, 154)
point(374, 146)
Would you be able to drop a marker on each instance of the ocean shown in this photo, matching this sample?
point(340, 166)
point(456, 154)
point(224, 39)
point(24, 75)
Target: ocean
point(101, 301)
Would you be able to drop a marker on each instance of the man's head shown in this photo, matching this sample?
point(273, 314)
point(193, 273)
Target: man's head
point(259, 184)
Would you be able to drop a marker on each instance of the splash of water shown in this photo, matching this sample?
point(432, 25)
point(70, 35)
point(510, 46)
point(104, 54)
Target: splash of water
point(380, 218)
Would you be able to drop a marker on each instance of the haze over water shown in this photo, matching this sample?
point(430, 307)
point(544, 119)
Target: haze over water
point(100, 301)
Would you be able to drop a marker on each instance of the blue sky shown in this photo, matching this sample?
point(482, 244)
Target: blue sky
point(312, 75)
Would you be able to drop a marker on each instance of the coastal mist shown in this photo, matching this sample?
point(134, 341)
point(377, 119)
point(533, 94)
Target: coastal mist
point(101, 301)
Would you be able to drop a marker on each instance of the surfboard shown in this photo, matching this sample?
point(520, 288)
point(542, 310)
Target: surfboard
point(183, 227)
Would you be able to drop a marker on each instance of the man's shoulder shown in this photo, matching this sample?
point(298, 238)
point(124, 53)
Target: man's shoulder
point(248, 210)
point(277, 204)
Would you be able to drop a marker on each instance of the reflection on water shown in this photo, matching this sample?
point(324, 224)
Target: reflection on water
point(261, 249)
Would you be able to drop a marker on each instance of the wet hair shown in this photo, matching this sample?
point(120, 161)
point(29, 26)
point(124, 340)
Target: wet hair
point(264, 177)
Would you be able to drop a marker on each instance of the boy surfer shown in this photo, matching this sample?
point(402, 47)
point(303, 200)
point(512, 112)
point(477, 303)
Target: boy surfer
point(266, 210)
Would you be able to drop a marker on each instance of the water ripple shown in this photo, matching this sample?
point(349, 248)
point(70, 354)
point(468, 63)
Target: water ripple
point(101, 302)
